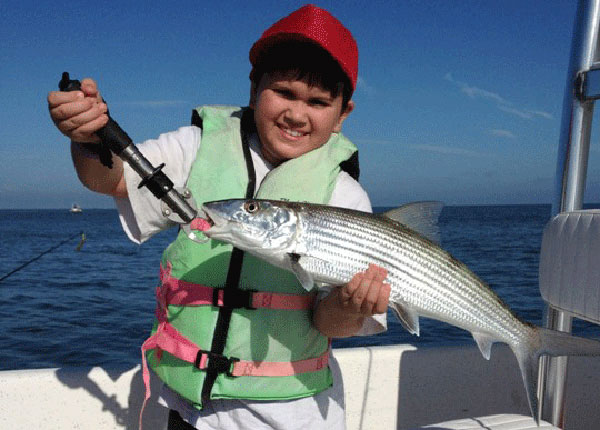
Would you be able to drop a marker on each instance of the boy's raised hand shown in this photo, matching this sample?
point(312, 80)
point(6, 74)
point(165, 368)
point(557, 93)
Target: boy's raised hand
point(78, 114)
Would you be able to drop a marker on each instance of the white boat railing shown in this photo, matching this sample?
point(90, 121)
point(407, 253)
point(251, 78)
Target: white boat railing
point(581, 91)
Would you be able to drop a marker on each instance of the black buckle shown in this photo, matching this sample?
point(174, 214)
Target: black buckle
point(234, 298)
point(216, 362)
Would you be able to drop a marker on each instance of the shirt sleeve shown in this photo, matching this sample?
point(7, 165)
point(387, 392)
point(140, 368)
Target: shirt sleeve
point(140, 212)
point(350, 195)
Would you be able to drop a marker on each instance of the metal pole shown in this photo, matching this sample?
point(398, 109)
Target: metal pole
point(571, 166)
point(571, 170)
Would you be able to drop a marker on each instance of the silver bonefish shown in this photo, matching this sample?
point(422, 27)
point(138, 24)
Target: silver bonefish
point(327, 244)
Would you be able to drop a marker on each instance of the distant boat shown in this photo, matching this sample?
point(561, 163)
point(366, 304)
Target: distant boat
point(75, 208)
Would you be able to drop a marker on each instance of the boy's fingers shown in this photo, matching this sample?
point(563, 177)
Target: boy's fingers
point(90, 88)
point(380, 274)
point(371, 298)
point(57, 98)
point(366, 293)
point(69, 110)
point(377, 298)
point(348, 290)
point(363, 289)
point(75, 121)
point(383, 299)
point(85, 133)
point(384, 289)
point(371, 272)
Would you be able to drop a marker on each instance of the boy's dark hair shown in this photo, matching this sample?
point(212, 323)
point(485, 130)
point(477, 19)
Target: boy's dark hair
point(304, 61)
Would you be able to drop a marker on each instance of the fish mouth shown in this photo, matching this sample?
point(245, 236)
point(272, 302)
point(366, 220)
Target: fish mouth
point(215, 222)
point(211, 223)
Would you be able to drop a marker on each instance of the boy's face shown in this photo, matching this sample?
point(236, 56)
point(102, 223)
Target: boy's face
point(293, 118)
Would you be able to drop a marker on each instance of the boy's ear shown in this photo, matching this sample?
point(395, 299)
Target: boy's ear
point(343, 116)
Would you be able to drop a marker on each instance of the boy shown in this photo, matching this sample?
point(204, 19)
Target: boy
point(240, 363)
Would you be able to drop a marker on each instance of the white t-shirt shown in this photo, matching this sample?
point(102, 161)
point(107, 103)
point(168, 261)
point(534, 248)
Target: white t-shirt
point(141, 217)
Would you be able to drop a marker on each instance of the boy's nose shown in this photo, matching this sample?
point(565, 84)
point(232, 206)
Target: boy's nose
point(295, 114)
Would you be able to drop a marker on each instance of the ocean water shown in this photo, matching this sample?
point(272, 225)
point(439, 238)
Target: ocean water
point(95, 306)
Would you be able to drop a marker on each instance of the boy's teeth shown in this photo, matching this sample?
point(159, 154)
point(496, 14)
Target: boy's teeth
point(293, 133)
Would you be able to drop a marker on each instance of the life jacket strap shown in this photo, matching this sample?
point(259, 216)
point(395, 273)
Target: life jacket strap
point(271, 368)
point(174, 291)
point(167, 338)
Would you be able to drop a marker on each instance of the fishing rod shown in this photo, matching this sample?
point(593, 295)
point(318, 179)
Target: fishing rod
point(46, 252)
point(115, 140)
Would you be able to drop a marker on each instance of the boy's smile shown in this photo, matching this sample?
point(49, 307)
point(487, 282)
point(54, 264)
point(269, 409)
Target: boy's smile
point(293, 118)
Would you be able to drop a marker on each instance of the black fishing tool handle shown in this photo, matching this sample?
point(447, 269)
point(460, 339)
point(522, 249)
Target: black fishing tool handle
point(115, 139)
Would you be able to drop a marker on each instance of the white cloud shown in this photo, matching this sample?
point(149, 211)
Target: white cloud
point(374, 141)
point(525, 114)
point(501, 103)
point(474, 92)
point(542, 114)
point(439, 149)
point(502, 133)
point(520, 113)
point(448, 150)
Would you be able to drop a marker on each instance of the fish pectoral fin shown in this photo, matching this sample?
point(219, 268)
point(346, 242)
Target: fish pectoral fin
point(305, 278)
point(407, 316)
point(484, 342)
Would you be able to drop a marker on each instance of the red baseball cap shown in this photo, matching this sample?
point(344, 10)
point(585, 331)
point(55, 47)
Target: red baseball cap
point(316, 25)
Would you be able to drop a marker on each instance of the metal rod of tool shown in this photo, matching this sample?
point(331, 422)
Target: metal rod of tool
point(117, 141)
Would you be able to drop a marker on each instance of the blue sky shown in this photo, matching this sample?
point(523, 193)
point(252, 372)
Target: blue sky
point(458, 100)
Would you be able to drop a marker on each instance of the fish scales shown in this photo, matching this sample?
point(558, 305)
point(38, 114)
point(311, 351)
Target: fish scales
point(351, 243)
point(428, 284)
point(326, 244)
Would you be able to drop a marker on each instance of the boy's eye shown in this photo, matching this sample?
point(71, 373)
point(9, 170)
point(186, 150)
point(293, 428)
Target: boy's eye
point(318, 102)
point(285, 93)
point(290, 95)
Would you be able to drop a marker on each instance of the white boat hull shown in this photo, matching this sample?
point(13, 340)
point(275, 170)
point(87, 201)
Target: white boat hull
point(389, 387)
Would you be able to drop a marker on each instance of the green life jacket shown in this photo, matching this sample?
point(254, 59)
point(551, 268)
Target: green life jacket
point(220, 335)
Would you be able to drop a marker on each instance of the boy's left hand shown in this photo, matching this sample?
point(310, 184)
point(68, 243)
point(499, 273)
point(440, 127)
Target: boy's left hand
point(366, 293)
point(344, 310)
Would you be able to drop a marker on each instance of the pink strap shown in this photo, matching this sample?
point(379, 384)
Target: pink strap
point(266, 368)
point(177, 292)
point(167, 338)
point(282, 301)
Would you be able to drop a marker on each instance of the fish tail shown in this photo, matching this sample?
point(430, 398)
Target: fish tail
point(543, 341)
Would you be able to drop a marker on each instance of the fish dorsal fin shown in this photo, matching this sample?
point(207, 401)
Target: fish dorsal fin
point(407, 317)
point(484, 342)
point(421, 217)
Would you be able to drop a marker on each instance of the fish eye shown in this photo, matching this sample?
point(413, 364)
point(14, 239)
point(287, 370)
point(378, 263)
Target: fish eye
point(251, 207)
